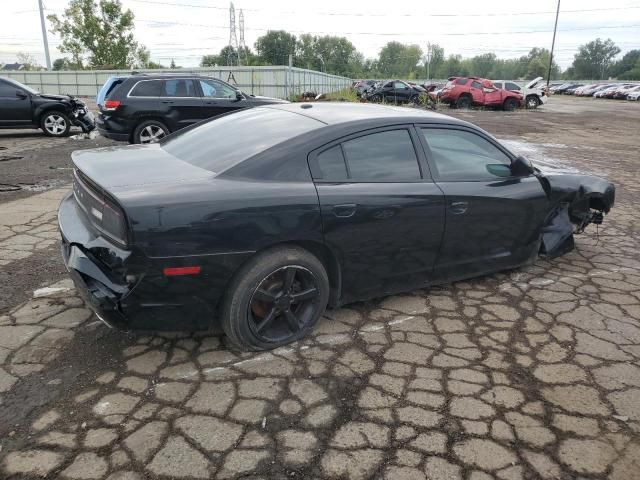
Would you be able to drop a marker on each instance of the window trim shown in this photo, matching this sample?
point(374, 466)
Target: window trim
point(160, 96)
point(201, 92)
point(429, 155)
point(423, 167)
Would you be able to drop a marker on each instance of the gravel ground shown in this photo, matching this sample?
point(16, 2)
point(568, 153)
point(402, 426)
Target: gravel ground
point(526, 374)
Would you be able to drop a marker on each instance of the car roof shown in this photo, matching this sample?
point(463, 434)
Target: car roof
point(333, 113)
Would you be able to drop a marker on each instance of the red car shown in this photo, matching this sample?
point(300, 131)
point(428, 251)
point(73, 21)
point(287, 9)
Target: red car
point(462, 92)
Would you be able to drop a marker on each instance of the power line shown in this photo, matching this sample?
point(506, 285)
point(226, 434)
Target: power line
point(391, 14)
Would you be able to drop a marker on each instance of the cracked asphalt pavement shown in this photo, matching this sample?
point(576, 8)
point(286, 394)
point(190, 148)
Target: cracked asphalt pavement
point(527, 374)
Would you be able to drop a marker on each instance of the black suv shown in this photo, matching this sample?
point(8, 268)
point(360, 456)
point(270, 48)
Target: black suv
point(24, 107)
point(143, 108)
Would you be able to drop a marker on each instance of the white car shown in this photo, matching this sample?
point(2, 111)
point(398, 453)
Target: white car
point(634, 94)
point(533, 92)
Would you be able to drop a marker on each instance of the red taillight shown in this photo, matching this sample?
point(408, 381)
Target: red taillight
point(111, 104)
point(175, 271)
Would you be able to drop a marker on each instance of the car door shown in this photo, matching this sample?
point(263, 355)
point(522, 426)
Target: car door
point(492, 221)
point(402, 92)
point(218, 97)
point(15, 105)
point(381, 212)
point(476, 92)
point(182, 102)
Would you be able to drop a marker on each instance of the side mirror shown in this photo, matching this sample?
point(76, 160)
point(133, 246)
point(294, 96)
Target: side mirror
point(521, 167)
point(499, 170)
point(21, 94)
point(239, 95)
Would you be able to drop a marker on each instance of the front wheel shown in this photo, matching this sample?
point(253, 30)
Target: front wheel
point(532, 101)
point(275, 299)
point(55, 124)
point(464, 101)
point(510, 104)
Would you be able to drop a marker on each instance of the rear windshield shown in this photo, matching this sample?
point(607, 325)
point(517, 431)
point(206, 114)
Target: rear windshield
point(225, 141)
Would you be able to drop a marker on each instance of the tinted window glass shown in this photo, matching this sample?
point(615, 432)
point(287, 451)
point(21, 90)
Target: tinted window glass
point(399, 85)
point(179, 88)
point(512, 86)
point(147, 88)
point(213, 89)
point(462, 81)
point(476, 84)
point(331, 164)
point(462, 155)
point(7, 90)
point(227, 140)
point(382, 157)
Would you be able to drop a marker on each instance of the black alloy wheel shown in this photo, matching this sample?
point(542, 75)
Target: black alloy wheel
point(283, 304)
point(275, 299)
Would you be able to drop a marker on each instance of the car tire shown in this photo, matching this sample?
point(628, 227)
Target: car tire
point(55, 124)
point(376, 99)
point(261, 310)
point(150, 131)
point(464, 101)
point(532, 102)
point(510, 104)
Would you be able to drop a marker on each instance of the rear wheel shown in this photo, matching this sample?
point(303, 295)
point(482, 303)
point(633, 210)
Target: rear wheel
point(510, 104)
point(464, 101)
point(532, 101)
point(55, 124)
point(150, 131)
point(275, 299)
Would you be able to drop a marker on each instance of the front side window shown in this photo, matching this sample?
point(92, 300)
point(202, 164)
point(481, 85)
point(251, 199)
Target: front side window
point(459, 155)
point(7, 90)
point(382, 157)
point(476, 85)
point(179, 88)
point(147, 88)
point(399, 85)
point(213, 89)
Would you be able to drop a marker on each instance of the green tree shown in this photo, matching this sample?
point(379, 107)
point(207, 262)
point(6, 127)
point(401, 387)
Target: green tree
point(594, 59)
point(626, 63)
point(399, 60)
point(433, 60)
point(28, 60)
point(482, 65)
point(328, 53)
point(100, 33)
point(275, 46)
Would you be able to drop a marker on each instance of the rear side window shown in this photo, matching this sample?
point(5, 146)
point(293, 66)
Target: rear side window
point(147, 88)
point(382, 157)
point(331, 165)
point(226, 141)
point(462, 81)
point(179, 88)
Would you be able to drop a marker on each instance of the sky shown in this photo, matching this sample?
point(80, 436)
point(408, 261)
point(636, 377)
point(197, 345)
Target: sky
point(184, 30)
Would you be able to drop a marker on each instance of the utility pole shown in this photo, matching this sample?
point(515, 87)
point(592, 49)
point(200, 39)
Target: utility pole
point(428, 59)
point(553, 44)
point(44, 36)
point(233, 38)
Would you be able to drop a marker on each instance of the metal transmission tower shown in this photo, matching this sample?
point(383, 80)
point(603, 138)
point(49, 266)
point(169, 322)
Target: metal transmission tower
point(233, 38)
point(242, 48)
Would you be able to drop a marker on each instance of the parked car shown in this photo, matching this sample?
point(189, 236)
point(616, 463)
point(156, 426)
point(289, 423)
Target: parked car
point(23, 107)
point(143, 108)
point(259, 219)
point(533, 92)
point(566, 87)
point(395, 91)
point(572, 89)
point(606, 92)
point(364, 86)
point(621, 92)
point(463, 92)
point(634, 94)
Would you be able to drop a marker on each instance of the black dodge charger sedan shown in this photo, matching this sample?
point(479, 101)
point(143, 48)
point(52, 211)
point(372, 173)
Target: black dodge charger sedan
point(259, 219)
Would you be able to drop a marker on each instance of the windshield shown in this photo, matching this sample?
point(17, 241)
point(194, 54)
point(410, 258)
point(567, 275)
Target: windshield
point(227, 140)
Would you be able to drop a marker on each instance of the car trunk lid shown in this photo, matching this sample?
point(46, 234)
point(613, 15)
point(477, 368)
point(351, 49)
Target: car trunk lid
point(114, 168)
